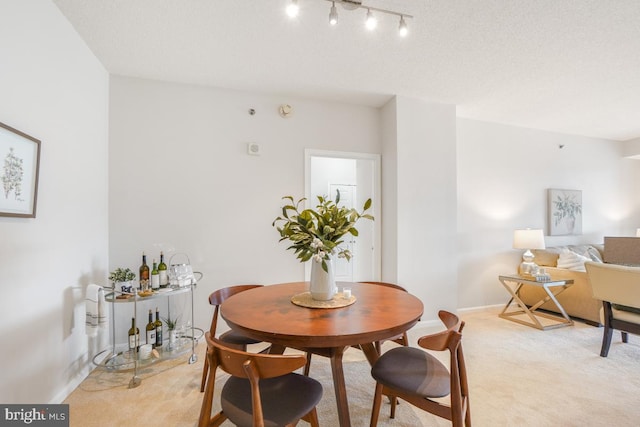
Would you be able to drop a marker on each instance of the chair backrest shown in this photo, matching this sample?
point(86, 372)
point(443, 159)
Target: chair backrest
point(447, 339)
point(387, 284)
point(617, 284)
point(451, 340)
point(218, 297)
point(253, 366)
point(262, 365)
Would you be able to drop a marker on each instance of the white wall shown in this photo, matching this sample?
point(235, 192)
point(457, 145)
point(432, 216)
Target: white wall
point(503, 176)
point(55, 90)
point(180, 176)
point(425, 197)
point(389, 161)
point(631, 148)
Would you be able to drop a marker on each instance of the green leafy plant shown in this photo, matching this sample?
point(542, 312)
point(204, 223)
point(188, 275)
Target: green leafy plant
point(317, 233)
point(171, 323)
point(122, 275)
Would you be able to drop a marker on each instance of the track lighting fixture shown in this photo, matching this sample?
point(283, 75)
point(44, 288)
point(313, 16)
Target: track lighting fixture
point(371, 21)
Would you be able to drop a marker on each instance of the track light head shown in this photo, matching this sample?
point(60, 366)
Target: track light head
point(333, 15)
point(371, 22)
point(293, 9)
point(402, 29)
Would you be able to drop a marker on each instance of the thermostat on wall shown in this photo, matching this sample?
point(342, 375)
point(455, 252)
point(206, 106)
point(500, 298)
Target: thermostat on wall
point(253, 148)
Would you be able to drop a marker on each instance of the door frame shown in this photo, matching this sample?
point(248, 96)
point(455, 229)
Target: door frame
point(376, 205)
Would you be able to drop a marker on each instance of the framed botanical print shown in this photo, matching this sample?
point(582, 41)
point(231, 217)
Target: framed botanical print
point(19, 168)
point(565, 212)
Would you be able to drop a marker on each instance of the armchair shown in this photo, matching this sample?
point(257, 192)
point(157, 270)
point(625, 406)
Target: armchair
point(618, 287)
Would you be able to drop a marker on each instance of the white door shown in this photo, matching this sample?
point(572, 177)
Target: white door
point(359, 173)
point(343, 269)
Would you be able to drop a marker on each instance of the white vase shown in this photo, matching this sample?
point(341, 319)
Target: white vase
point(127, 286)
point(173, 338)
point(323, 284)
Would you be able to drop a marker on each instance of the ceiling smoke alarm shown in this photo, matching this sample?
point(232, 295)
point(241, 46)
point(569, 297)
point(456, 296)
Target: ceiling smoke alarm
point(285, 110)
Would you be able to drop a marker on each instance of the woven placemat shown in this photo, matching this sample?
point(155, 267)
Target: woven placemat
point(304, 300)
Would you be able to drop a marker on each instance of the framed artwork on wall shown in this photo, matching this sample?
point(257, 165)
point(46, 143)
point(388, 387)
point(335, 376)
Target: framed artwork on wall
point(19, 168)
point(565, 212)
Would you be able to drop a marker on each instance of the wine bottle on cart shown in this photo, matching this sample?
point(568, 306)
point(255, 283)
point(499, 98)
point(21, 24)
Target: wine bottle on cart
point(134, 336)
point(158, 324)
point(144, 274)
point(162, 272)
point(155, 277)
point(151, 330)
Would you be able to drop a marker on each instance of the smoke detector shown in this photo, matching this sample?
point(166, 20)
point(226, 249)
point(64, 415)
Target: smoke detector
point(285, 110)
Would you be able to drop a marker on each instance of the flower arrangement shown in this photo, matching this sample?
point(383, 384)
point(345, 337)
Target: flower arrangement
point(122, 275)
point(317, 233)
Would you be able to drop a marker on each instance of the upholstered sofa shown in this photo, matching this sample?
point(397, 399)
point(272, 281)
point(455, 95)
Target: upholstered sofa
point(577, 300)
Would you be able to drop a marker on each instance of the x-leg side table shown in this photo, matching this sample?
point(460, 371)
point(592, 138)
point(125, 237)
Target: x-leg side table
point(513, 284)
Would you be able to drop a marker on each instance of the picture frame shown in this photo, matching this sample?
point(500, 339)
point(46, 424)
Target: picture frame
point(565, 212)
point(19, 173)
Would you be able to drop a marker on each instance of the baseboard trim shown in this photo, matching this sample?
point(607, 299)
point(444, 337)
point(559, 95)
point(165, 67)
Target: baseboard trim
point(73, 384)
point(480, 308)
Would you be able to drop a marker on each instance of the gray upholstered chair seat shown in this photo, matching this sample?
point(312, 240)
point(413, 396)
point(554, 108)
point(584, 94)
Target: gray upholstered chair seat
point(284, 398)
point(232, 337)
point(412, 370)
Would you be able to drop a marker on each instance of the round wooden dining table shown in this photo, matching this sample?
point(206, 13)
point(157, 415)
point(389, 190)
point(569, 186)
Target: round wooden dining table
point(379, 312)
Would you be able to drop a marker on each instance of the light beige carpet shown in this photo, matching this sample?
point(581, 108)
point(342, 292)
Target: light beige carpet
point(519, 376)
point(169, 395)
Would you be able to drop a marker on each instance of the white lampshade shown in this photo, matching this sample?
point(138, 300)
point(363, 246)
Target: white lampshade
point(638, 232)
point(528, 239)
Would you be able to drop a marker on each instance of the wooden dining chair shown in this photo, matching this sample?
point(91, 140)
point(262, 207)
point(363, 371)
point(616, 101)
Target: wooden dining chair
point(262, 390)
point(414, 375)
point(231, 338)
point(401, 339)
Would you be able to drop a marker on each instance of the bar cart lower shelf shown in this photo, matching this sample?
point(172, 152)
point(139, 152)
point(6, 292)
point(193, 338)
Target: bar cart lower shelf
point(125, 360)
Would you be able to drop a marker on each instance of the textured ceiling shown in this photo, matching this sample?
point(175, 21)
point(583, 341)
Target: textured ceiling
point(569, 66)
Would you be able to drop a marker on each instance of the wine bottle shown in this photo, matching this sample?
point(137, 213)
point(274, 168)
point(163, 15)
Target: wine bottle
point(134, 336)
point(162, 271)
point(144, 274)
point(151, 330)
point(155, 277)
point(158, 325)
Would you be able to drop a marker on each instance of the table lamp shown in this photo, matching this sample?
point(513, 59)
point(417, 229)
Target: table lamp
point(638, 232)
point(528, 239)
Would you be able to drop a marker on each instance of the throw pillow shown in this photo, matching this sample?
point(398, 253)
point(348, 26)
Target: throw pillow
point(572, 261)
point(594, 254)
point(586, 250)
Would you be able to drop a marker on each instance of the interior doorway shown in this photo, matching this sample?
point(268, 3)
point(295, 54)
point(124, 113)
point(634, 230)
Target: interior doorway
point(357, 176)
